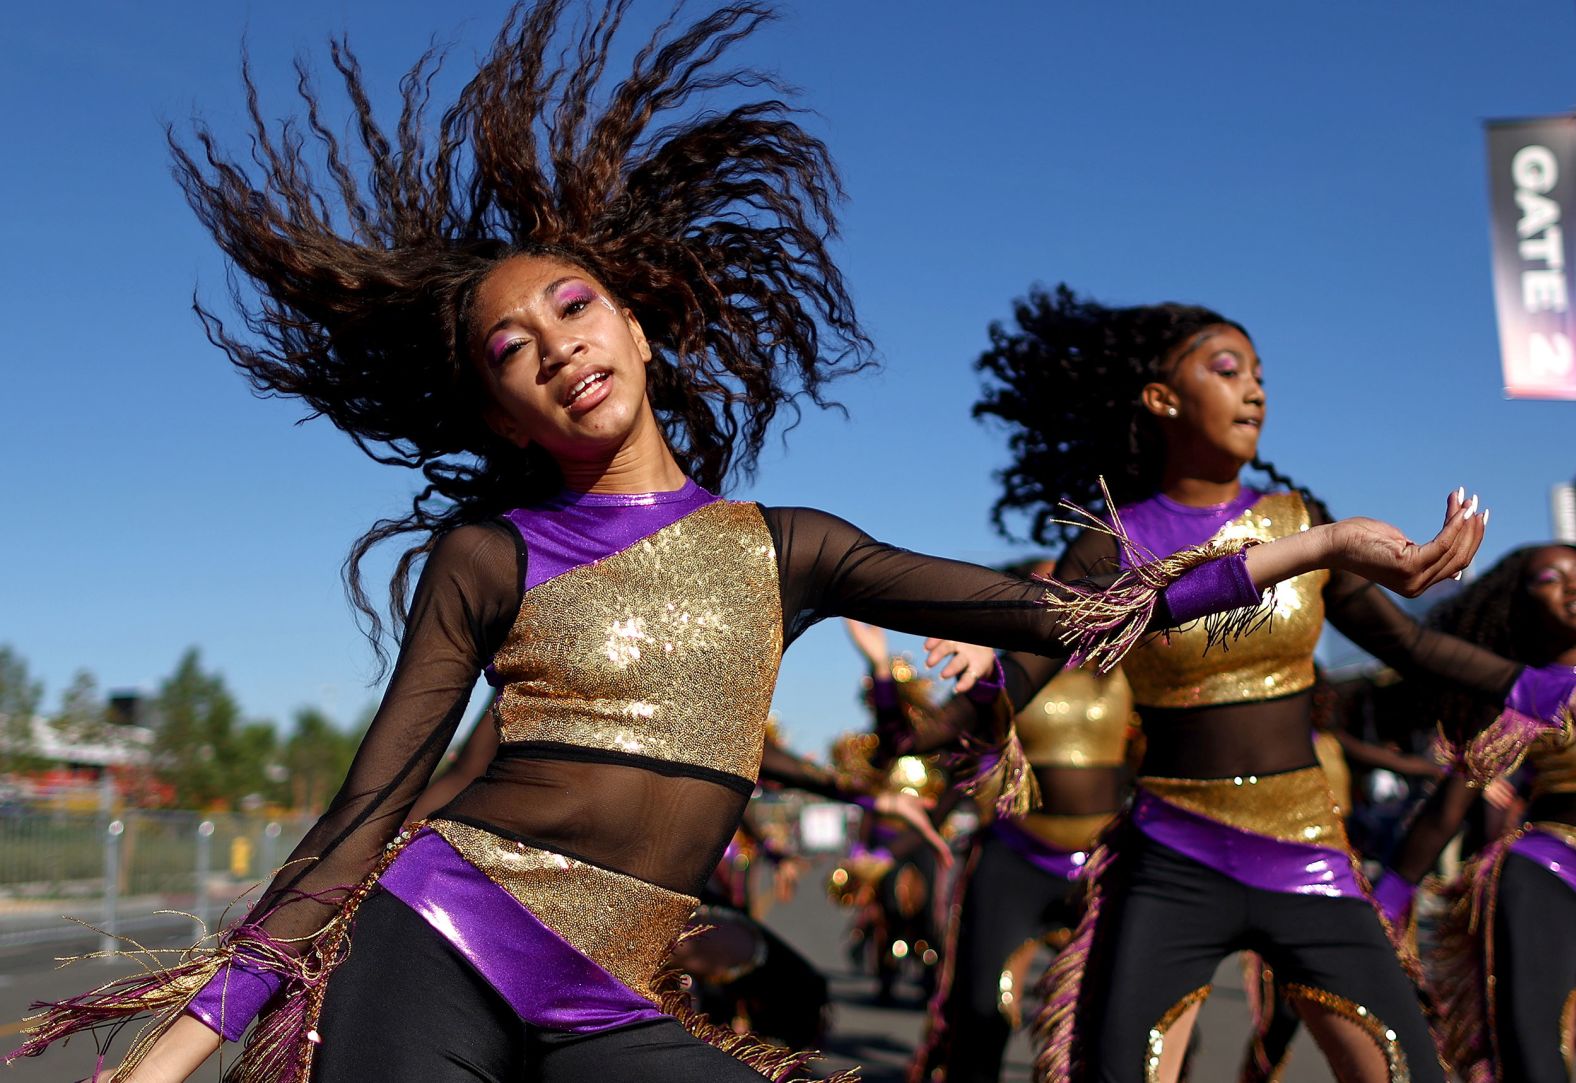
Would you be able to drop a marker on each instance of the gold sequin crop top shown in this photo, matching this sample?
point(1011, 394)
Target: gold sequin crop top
point(1174, 669)
point(1080, 719)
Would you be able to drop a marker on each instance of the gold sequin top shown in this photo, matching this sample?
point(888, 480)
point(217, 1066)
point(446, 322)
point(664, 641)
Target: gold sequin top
point(667, 649)
point(1175, 670)
point(1079, 719)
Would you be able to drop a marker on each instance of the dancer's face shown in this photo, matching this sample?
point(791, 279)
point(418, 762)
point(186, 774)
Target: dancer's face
point(1550, 584)
point(1211, 402)
point(563, 364)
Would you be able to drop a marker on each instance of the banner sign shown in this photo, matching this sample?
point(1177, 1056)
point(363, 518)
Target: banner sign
point(1532, 182)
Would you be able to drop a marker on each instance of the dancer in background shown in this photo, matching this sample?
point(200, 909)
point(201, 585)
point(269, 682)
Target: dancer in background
point(576, 321)
point(1020, 889)
point(1504, 970)
point(1233, 841)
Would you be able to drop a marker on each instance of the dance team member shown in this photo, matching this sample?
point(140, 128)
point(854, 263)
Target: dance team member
point(1504, 965)
point(1020, 886)
point(574, 321)
point(1233, 841)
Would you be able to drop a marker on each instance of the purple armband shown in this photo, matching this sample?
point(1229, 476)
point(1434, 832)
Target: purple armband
point(1543, 693)
point(1394, 896)
point(234, 997)
point(883, 693)
point(1213, 587)
point(985, 690)
point(866, 801)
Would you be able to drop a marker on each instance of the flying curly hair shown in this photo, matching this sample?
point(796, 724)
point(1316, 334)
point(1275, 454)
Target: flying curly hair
point(1494, 612)
point(713, 227)
point(1066, 381)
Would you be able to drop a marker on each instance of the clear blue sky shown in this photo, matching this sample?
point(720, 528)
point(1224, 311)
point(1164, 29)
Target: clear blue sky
point(1313, 170)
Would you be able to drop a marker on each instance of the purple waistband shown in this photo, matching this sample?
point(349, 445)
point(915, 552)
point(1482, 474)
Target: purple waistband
point(1063, 864)
point(1248, 858)
point(858, 850)
point(544, 978)
point(1550, 851)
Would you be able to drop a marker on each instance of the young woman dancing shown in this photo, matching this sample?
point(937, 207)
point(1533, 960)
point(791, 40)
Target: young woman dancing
point(1233, 841)
point(1504, 963)
point(574, 322)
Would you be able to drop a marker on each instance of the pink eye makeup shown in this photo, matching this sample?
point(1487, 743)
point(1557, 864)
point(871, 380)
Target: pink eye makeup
point(501, 345)
point(1226, 364)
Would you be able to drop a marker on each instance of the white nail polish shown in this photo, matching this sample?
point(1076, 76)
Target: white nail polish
point(1457, 576)
point(1461, 494)
point(1485, 517)
point(1472, 506)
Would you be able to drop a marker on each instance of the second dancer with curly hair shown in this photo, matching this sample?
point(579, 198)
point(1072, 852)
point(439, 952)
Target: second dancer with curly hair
point(1233, 841)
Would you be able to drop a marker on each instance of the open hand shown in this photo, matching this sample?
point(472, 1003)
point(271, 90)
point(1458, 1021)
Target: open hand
point(1381, 553)
point(967, 662)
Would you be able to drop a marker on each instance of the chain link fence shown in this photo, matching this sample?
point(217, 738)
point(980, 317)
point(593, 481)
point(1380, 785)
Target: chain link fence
point(116, 872)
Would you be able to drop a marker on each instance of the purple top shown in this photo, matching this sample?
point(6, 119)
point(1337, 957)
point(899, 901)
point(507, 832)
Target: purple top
point(581, 528)
point(1543, 693)
point(1159, 526)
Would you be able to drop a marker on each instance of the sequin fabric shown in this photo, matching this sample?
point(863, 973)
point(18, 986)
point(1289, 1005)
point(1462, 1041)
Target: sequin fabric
point(1275, 659)
point(1080, 719)
point(1292, 806)
point(667, 649)
point(1385, 1038)
point(1157, 1033)
point(624, 925)
point(1071, 833)
point(1553, 758)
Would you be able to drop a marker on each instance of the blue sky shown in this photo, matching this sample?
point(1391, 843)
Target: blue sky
point(1312, 170)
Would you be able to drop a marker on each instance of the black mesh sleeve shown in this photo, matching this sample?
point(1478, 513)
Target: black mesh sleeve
point(782, 767)
point(468, 595)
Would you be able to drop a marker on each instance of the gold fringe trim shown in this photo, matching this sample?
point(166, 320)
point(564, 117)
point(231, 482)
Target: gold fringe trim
point(1157, 1033)
point(772, 1061)
point(1101, 627)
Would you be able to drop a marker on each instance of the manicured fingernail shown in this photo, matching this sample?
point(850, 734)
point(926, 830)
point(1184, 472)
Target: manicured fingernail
point(1485, 517)
point(1472, 506)
point(1461, 494)
point(1457, 576)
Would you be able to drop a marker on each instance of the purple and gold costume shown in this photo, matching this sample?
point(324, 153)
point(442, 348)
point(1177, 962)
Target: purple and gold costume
point(634, 641)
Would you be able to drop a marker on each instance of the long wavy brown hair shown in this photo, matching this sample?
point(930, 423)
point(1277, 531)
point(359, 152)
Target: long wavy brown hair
point(713, 227)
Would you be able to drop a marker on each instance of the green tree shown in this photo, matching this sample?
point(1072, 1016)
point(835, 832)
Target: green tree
point(80, 719)
point(196, 742)
point(317, 756)
point(20, 696)
point(251, 778)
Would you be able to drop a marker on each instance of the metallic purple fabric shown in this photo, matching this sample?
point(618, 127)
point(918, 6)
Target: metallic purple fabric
point(1213, 587)
point(1254, 860)
point(1550, 851)
point(1160, 526)
point(1394, 896)
point(544, 979)
point(985, 690)
point(1543, 693)
point(580, 528)
point(1062, 864)
point(233, 998)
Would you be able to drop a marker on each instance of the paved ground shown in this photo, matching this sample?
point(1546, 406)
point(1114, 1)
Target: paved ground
point(879, 1038)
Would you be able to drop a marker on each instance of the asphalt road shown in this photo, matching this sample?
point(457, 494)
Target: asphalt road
point(865, 1033)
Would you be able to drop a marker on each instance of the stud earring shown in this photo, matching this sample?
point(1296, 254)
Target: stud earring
point(1171, 411)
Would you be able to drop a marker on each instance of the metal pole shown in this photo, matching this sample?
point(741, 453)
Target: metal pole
point(204, 868)
point(112, 835)
point(270, 845)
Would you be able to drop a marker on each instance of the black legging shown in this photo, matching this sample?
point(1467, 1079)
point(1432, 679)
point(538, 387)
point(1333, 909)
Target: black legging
point(1535, 970)
point(1007, 901)
point(1166, 923)
point(405, 1007)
